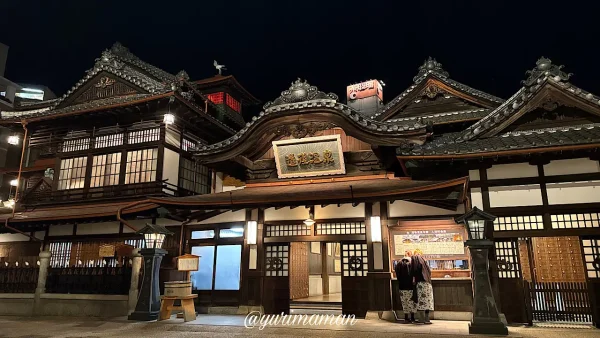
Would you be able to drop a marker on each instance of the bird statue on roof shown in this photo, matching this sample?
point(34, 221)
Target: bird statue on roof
point(219, 67)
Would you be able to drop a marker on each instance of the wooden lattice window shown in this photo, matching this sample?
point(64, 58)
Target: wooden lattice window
point(194, 177)
point(105, 170)
point(72, 173)
point(343, 228)
point(142, 136)
point(106, 141)
point(75, 144)
point(507, 259)
point(61, 254)
point(141, 166)
point(187, 145)
point(288, 230)
point(575, 221)
point(216, 98)
point(276, 260)
point(354, 260)
point(511, 223)
point(591, 253)
point(233, 103)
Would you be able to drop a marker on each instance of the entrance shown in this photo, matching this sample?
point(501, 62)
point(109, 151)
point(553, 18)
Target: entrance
point(315, 278)
point(549, 275)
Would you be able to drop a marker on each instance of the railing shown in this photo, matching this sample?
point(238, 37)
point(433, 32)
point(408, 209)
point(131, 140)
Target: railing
point(104, 280)
point(109, 192)
point(19, 276)
point(558, 302)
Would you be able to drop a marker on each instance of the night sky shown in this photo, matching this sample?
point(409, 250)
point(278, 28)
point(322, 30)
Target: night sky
point(268, 44)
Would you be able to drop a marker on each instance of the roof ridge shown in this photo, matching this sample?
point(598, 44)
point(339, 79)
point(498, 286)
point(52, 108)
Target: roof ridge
point(544, 72)
point(432, 68)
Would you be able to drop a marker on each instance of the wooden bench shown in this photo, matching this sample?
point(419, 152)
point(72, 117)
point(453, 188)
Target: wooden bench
point(187, 305)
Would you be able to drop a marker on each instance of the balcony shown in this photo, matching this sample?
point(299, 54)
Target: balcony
point(113, 192)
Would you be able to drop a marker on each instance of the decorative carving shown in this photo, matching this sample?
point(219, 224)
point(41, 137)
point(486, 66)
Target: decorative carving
point(104, 82)
point(544, 66)
point(432, 91)
point(273, 264)
point(549, 104)
point(355, 263)
point(300, 91)
point(431, 66)
point(504, 265)
point(232, 181)
point(182, 75)
point(303, 130)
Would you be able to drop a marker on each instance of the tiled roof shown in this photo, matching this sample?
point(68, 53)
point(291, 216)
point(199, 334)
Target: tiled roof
point(529, 139)
point(442, 118)
point(432, 68)
point(300, 96)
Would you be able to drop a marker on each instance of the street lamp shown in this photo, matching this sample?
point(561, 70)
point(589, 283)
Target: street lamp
point(486, 318)
point(148, 303)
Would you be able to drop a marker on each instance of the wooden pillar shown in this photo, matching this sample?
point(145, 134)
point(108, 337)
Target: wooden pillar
point(379, 274)
point(324, 268)
point(252, 262)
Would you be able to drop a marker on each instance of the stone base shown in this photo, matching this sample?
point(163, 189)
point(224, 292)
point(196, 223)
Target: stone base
point(247, 309)
point(144, 316)
point(494, 328)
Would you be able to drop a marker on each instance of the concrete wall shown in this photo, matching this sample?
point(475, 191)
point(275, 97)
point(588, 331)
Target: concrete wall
point(16, 304)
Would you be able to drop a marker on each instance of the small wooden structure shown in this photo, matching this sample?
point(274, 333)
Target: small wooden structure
point(186, 263)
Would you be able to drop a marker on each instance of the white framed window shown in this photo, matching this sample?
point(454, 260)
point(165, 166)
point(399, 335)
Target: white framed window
point(142, 136)
point(141, 166)
point(72, 173)
point(105, 170)
point(76, 144)
point(105, 141)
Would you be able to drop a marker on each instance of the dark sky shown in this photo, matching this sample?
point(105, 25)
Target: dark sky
point(267, 44)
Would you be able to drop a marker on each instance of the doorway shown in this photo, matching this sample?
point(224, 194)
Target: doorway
point(315, 278)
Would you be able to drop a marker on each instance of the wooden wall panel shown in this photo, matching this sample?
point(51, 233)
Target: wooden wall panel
point(524, 258)
point(299, 280)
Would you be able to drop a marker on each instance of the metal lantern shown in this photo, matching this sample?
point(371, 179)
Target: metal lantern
point(154, 235)
point(169, 119)
point(478, 223)
point(13, 140)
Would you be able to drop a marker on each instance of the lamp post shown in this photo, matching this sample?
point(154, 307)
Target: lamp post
point(486, 318)
point(148, 303)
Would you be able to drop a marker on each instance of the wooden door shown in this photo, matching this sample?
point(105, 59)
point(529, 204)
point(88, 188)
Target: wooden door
point(299, 279)
point(355, 285)
point(510, 281)
point(276, 286)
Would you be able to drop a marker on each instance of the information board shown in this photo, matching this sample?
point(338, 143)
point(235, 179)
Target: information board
point(433, 243)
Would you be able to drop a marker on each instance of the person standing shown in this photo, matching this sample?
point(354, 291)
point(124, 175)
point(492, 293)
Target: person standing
point(423, 291)
point(405, 283)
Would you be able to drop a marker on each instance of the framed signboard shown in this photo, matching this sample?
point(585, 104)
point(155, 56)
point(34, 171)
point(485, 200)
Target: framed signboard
point(106, 250)
point(188, 262)
point(311, 156)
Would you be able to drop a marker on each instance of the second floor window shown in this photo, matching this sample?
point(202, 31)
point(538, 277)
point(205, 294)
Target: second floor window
point(105, 170)
point(72, 173)
point(141, 166)
point(194, 177)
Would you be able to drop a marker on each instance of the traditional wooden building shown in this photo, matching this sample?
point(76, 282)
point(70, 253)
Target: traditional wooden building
point(124, 132)
point(315, 200)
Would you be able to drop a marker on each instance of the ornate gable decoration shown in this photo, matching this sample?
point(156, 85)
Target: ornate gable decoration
point(104, 87)
point(430, 66)
point(543, 68)
point(300, 91)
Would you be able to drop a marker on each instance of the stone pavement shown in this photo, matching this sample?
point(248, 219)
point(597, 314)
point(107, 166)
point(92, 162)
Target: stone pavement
point(221, 326)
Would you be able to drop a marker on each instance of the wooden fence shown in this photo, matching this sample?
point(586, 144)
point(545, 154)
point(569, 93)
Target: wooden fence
point(105, 280)
point(558, 302)
point(18, 276)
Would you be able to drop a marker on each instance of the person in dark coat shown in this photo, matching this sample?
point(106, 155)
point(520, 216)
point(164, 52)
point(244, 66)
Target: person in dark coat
point(405, 283)
point(423, 293)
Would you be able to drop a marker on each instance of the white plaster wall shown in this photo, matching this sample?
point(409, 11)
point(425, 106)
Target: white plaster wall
point(13, 238)
point(231, 188)
point(343, 211)
point(218, 183)
point(476, 198)
point(512, 196)
point(61, 230)
point(573, 192)
point(571, 166)
point(172, 137)
point(405, 208)
point(98, 228)
point(40, 234)
point(513, 170)
point(286, 214)
point(315, 285)
point(335, 284)
point(228, 216)
point(474, 175)
point(171, 167)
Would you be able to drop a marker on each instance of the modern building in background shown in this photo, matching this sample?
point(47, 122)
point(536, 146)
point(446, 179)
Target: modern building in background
point(312, 202)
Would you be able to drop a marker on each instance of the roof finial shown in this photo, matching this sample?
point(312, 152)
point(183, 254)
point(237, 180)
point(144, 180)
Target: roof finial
point(219, 67)
point(430, 66)
point(545, 68)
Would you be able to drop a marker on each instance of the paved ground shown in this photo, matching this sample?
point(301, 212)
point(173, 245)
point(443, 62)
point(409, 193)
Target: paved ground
point(221, 326)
